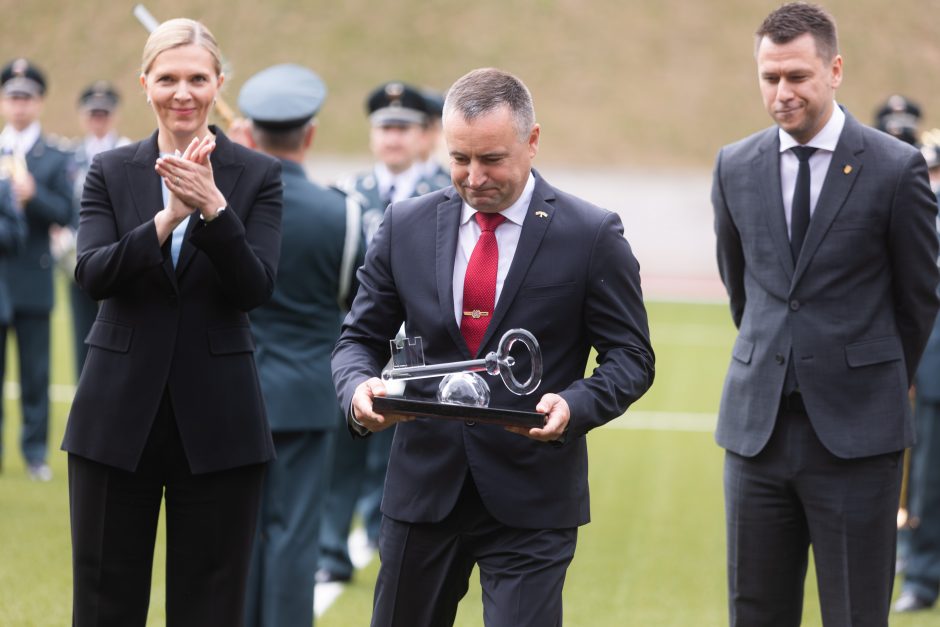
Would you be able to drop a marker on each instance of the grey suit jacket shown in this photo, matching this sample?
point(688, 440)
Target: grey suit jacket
point(856, 308)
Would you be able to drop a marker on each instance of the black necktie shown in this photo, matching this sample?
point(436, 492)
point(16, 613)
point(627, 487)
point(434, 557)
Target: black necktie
point(799, 214)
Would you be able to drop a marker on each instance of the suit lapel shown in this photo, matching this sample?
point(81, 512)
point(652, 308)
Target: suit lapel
point(225, 171)
point(843, 172)
point(147, 192)
point(448, 221)
point(534, 226)
point(143, 180)
point(768, 174)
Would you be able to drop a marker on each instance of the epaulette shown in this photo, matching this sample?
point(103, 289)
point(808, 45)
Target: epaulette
point(346, 185)
point(60, 143)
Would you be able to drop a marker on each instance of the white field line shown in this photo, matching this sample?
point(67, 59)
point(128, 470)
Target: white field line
point(325, 594)
point(665, 421)
point(58, 392)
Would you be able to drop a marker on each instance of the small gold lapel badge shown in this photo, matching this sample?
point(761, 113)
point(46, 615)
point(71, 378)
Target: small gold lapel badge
point(847, 169)
point(541, 214)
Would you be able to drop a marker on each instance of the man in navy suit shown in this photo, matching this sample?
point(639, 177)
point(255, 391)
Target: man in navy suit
point(827, 248)
point(459, 494)
point(44, 189)
point(321, 247)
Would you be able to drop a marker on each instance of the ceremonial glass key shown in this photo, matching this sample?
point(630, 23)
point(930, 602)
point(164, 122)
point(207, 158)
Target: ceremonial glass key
point(408, 362)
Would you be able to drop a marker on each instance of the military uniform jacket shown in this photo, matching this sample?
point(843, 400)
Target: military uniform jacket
point(365, 189)
point(181, 330)
point(12, 237)
point(30, 271)
point(295, 331)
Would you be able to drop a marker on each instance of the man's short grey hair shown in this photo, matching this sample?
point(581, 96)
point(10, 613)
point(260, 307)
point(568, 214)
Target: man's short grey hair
point(280, 141)
point(482, 91)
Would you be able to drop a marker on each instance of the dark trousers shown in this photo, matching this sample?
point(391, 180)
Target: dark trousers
point(346, 477)
point(373, 483)
point(284, 558)
point(32, 345)
point(210, 523)
point(922, 573)
point(795, 494)
point(426, 569)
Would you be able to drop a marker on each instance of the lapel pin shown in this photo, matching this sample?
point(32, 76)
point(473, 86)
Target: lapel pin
point(541, 214)
point(847, 169)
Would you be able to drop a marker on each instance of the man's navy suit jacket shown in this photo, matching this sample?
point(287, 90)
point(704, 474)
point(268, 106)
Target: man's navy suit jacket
point(855, 309)
point(573, 283)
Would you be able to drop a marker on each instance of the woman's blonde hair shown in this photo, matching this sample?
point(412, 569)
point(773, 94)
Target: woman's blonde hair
point(177, 32)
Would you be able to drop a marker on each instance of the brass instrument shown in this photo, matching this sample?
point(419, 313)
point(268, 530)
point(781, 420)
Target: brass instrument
point(13, 166)
point(905, 520)
point(149, 22)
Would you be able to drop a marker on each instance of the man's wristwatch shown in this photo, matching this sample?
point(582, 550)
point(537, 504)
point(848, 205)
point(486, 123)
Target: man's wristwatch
point(215, 215)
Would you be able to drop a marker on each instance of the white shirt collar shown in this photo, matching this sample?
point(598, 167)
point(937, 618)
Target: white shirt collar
point(515, 213)
point(20, 142)
point(825, 139)
point(94, 145)
point(405, 182)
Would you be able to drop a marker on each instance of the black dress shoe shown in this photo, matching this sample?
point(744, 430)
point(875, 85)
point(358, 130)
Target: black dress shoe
point(910, 602)
point(328, 576)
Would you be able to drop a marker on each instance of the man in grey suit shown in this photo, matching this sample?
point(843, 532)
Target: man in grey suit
point(827, 248)
point(321, 246)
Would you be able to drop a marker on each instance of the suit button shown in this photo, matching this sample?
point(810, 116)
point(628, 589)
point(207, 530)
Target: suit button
point(470, 423)
point(794, 305)
point(172, 299)
point(779, 358)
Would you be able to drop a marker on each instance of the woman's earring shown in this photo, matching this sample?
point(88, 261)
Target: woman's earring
point(148, 99)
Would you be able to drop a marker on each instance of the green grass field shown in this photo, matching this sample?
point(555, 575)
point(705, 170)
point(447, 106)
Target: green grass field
point(653, 555)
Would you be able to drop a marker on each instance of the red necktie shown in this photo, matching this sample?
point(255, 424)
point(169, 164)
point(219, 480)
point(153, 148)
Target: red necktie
point(479, 284)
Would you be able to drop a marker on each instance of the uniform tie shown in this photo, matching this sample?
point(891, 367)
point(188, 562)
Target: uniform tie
point(799, 214)
point(479, 284)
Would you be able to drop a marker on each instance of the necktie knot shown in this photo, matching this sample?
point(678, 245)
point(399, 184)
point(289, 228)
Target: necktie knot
point(489, 221)
point(803, 153)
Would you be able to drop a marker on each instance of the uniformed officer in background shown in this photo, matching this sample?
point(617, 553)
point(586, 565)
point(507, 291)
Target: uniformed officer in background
point(12, 237)
point(899, 117)
point(40, 174)
point(921, 586)
point(321, 247)
point(97, 110)
point(434, 172)
point(398, 118)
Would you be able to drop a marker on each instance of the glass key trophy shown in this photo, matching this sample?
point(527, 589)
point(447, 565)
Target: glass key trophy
point(463, 394)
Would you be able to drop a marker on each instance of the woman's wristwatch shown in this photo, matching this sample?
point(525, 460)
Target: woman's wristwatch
point(215, 215)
